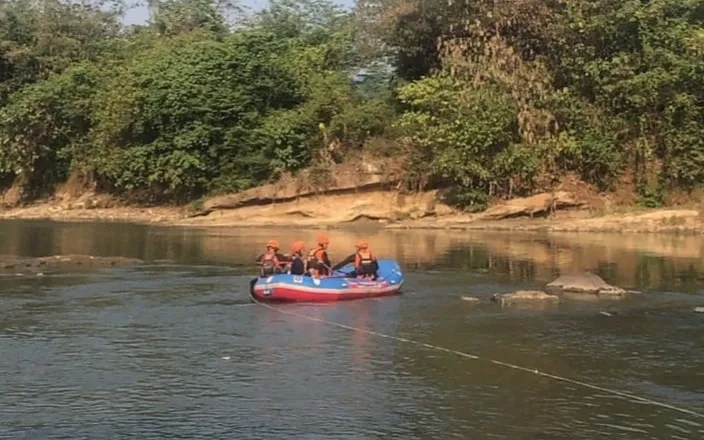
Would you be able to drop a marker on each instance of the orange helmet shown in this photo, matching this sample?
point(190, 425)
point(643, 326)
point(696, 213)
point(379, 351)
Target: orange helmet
point(363, 244)
point(272, 244)
point(297, 246)
point(323, 239)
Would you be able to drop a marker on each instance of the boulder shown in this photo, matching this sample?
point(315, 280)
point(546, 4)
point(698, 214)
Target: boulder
point(586, 282)
point(539, 204)
point(523, 296)
point(91, 201)
point(442, 210)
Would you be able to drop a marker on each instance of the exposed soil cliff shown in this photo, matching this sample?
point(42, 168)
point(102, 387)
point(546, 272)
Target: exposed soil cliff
point(368, 192)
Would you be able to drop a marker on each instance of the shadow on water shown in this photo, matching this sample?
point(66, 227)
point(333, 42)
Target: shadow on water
point(177, 350)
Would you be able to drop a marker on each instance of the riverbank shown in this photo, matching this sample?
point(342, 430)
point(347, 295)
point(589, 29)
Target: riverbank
point(132, 214)
point(633, 221)
point(379, 209)
point(366, 194)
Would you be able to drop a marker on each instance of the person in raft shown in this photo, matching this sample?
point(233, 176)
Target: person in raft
point(271, 262)
point(298, 264)
point(365, 263)
point(318, 260)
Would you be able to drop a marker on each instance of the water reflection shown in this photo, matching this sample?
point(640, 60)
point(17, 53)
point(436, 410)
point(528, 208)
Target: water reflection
point(635, 261)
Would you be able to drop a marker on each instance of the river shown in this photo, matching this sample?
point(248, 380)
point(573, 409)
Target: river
point(174, 349)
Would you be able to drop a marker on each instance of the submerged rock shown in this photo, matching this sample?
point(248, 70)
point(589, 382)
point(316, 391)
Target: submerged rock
point(523, 296)
point(40, 265)
point(586, 282)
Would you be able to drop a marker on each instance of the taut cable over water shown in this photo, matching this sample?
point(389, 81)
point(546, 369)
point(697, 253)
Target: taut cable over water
point(623, 394)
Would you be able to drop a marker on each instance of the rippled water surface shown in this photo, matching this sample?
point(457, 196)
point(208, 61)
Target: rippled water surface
point(175, 349)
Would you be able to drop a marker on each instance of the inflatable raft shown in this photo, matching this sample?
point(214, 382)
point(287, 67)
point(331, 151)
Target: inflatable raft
point(337, 287)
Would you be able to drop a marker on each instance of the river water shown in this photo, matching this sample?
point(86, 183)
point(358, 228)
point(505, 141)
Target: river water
point(174, 349)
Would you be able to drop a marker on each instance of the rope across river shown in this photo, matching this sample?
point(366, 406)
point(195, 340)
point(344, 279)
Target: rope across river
point(623, 394)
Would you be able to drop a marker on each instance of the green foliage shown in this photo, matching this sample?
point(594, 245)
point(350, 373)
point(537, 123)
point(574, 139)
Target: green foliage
point(650, 196)
point(641, 62)
point(516, 168)
point(484, 99)
point(596, 88)
point(42, 37)
point(43, 123)
point(588, 143)
point(683, 142)
point(175, 17)
point(184, 106)
point(178, 112)
point(463, 130)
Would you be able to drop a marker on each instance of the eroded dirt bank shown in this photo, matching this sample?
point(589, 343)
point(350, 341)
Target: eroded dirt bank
point(384, 208)
point(353, 195)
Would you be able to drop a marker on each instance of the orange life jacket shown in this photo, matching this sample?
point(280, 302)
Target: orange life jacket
point(363, 257)
point(315, 258)
point(270, 263)
point(364, 263)
point(316, 255)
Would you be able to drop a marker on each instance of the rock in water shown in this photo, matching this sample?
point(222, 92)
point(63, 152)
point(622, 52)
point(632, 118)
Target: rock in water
point(470, 299)
point(586, 282)
point(39, 266)
point(523, 295)
point(699, 309)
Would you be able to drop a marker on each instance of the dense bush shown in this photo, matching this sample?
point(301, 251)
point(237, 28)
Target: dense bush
point(482, 98)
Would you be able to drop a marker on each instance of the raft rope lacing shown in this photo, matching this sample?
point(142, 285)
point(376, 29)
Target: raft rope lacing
point(623, 394)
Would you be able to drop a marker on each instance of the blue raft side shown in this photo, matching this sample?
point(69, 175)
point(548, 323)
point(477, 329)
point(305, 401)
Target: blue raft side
point(389, 270)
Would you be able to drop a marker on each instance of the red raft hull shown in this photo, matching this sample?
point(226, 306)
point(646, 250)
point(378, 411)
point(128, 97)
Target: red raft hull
point(289, 293)
point(297, 288)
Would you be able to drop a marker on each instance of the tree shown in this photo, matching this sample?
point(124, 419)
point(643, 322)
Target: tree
point(173, 17)
point(43, 123)
point(42, 37)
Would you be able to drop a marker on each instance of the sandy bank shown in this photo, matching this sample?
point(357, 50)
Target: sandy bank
point(58, 212)
point(636, 221)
